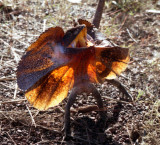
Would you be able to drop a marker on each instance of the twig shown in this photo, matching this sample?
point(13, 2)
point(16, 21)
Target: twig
point(51, 129)
point(81, 139)
point(123, 76)
point(1, 59)
point(7, 79)
point(112, 13)
point(16, 112)
point(33, 121)
point(62, 141)
point(86, 109)
point(4, 114)
point(15, 91)
point(91, 108)
point(37, 112)
point(44, 25)
point(129, 134)
point(153, 11)
point(123, 23)
point(11, 138)
point(16, 58)
point(125, 102)
point(13, 36)
point(7, 86)
point(9, 64)
point(12, 101)
point(47, 142)
point(131, 36)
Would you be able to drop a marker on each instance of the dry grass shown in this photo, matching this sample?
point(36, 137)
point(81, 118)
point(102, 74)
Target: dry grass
point(21, 22)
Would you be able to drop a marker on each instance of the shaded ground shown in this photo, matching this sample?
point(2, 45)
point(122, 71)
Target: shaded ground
point(22, 22)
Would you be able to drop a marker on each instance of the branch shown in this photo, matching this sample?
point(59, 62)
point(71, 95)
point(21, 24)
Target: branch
point(98, 14)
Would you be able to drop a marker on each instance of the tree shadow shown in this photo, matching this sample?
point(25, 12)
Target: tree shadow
point(87, 131)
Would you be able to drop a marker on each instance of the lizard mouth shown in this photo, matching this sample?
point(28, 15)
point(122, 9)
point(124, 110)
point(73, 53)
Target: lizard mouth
point(77, 37)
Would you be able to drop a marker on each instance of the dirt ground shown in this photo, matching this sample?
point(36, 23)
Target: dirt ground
point(129, 25)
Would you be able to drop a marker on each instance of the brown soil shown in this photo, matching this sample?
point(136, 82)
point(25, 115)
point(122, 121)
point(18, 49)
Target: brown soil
point(21, 22)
